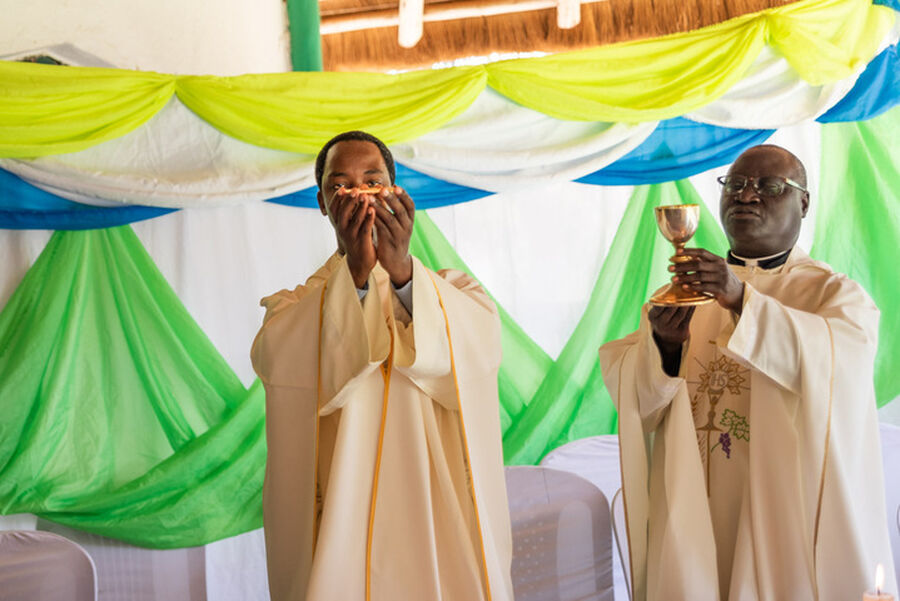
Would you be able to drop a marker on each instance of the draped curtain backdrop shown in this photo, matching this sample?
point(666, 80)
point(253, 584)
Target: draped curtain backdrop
point(122, 418)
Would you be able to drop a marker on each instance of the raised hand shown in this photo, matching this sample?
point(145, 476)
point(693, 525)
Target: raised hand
point(671, 325)
point(394, 216)
point(354, 217)
point(709, 273)
point(671, 328)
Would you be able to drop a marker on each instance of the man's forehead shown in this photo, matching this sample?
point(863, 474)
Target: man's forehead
point(354, 154)
point(765, 160)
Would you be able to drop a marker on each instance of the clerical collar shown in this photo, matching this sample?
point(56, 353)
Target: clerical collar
point(762, 262)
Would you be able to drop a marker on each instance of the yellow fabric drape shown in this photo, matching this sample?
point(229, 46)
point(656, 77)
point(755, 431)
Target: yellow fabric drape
point(301, 111)
point(45, 109)
point(50, 110)
point(645, 80)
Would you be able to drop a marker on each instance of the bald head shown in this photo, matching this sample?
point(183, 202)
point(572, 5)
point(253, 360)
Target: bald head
point(790, 161)
point(759, 223)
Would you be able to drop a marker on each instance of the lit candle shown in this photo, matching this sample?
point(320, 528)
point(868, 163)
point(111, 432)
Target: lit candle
point(878, 595)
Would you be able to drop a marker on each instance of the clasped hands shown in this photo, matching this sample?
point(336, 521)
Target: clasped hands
point(703, 272)
point(390, 212)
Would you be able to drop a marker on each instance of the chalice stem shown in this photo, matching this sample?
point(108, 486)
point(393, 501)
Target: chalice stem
point(677, 224)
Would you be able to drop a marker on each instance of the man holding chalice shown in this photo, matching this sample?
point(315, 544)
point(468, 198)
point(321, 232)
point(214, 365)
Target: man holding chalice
point(751, 463)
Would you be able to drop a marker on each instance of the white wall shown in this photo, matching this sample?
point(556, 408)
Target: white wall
point(214, 37)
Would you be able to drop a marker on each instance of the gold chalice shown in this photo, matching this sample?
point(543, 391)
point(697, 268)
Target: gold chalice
point(678, 223)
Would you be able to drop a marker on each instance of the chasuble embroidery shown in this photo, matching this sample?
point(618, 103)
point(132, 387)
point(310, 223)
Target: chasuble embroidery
point(720, 391)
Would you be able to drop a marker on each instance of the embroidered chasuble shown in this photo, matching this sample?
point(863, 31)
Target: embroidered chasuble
point(756, 473)
point(719, 390)
point(384, 477)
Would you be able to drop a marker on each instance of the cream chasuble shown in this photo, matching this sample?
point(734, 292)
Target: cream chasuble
point(384, 478)
point(719, 390)
point(759, 467)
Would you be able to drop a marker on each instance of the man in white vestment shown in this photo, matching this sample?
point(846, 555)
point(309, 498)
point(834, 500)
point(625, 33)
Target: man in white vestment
point(384, 479)
point(748, 426)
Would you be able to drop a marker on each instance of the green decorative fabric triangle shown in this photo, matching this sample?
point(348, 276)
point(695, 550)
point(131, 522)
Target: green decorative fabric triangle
point(858, 224)
point(524, 362)
point(109, 390)
point(572, 401)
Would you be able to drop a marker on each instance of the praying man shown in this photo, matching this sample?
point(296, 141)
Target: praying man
point(751, 463)
point(384, 478)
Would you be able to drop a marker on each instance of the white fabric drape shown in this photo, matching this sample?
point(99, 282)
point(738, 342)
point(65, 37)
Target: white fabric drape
point(236, 568)
point(497, 145)
point(174, 160)
point(771, 96)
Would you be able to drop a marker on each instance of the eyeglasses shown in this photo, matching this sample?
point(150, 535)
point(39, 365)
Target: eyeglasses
point(767, 185)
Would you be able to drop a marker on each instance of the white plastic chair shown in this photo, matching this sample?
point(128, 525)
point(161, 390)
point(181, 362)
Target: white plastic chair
point(43, 566)
point(125, 571)
point(620, 530)
point(562, 543)
point(890, 450)
point(596, 459)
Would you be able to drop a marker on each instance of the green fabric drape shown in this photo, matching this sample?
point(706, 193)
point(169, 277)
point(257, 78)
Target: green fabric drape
point(572, 401)
point(306, 42)
point(524, 361)
point(49, 110)
point(858, 224)
point(122, 419)
point(119, 415)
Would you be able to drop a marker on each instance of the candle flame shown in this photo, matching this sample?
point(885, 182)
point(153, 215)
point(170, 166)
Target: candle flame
point(879, 579)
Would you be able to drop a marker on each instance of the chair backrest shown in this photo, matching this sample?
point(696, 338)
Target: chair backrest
point(595, 459)
point(890, 451)
point(620, 530)
point(40, 565)
point(125, 571)
point(562, 543)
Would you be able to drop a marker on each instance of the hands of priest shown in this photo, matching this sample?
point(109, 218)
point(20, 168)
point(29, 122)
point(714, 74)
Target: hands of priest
point(355, 218)
point(671, 327)
point(709, 273)
point(394, 216)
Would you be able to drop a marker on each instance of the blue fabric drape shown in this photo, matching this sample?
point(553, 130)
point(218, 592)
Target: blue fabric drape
point(428, 192)
point(677, 149)
point(23, 206)
point(876, 90)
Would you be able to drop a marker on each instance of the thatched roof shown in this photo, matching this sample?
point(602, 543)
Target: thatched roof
point(374, 47)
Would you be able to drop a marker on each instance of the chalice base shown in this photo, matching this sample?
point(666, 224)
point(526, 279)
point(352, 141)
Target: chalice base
point(676, 296)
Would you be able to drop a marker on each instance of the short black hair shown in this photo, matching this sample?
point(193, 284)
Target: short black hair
point(354, 135)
